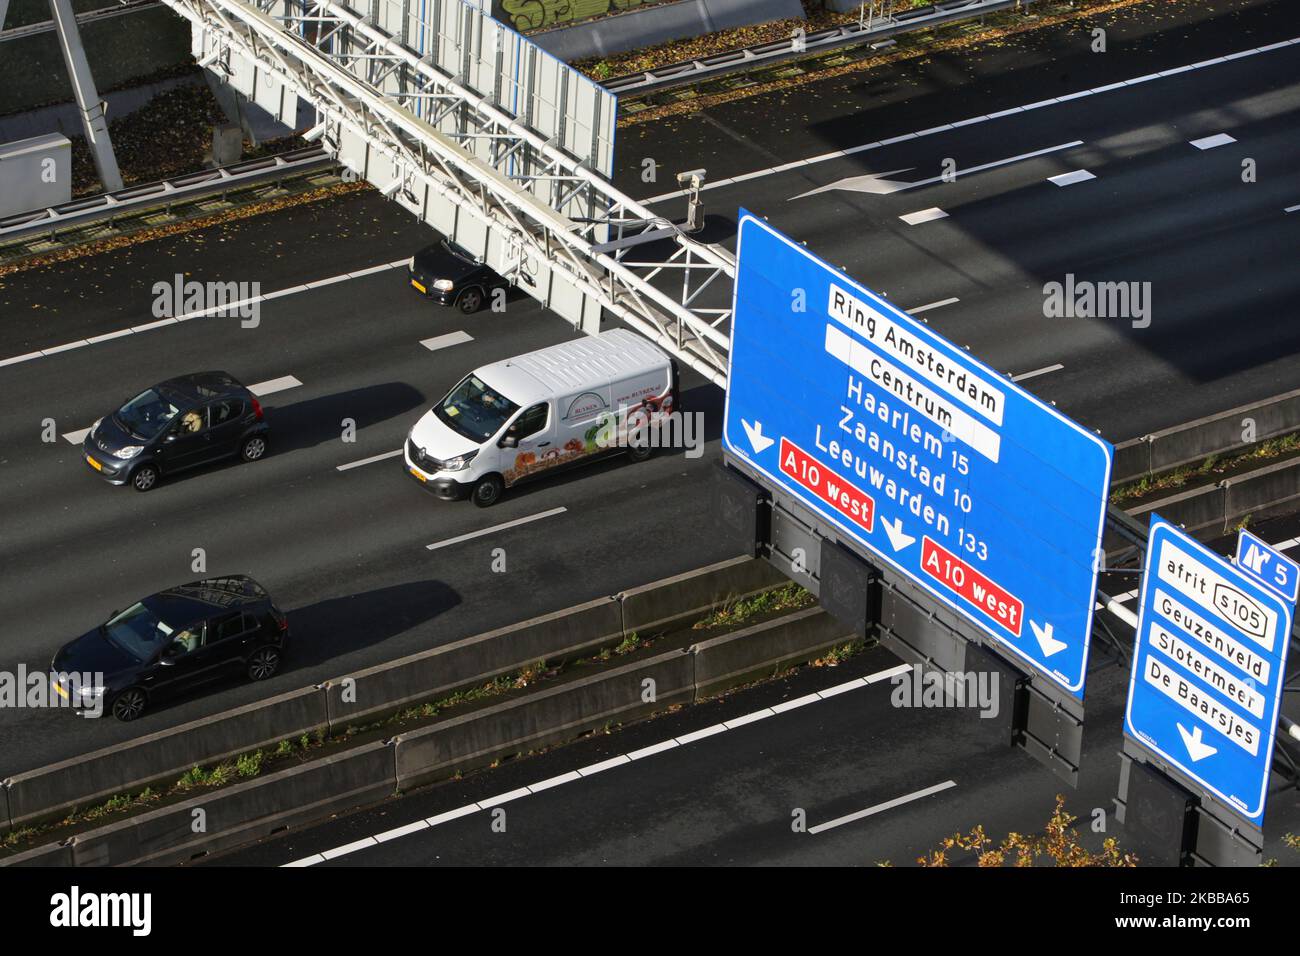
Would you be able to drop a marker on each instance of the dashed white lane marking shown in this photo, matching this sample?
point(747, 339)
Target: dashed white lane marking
point(262, 388)
point(583, 773)
point(1291, 208)
point(445, 341)
point(271, 386)
point(228, 308)
point(1036, 372)
point(498, 527)
point(881, 807)
point(932, 305)
point(924, 215)
point(1069, 179)
point(1069, 97)
point(1210, 142)
point(1287, 545)
point(368, 461)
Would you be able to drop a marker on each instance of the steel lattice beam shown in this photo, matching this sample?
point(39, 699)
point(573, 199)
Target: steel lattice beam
point(491, 166)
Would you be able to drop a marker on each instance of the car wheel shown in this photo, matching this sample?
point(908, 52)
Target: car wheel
point(470, 301)
point(488, 491)
point(639, 452)
point(129, 704)
point(254, 447)
point(144, 477)
point(264, 663)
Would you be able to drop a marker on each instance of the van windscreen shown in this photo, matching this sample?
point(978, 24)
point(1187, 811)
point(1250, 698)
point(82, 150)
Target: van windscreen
point(475, 410)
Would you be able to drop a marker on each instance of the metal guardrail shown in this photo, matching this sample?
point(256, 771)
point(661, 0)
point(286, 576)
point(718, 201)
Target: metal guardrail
point(776, 51)
point(190, 186)
point(90, 16)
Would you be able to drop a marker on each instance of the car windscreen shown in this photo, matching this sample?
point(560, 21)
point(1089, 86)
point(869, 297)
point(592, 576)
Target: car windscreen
point(147, 414)
point(475, 410)
point(138, 631)
point(459, 252)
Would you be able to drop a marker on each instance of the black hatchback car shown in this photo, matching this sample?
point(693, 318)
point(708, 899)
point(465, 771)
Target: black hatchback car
point(451, 275)
point(177, 424)
point(171, 642)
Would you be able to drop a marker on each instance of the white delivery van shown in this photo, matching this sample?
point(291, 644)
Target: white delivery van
point(524, 417)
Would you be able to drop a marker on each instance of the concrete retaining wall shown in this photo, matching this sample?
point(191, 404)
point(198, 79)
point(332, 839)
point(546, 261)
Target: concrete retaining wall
point(243, 812)
point(660, 23)
point(1219, 434)
point(1216, 509)
point(86, 780)
point(548, 717)
point(687, 597)
point(764, 649)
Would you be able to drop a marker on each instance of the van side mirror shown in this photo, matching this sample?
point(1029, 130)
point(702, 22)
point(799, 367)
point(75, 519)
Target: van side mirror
point(508, 441)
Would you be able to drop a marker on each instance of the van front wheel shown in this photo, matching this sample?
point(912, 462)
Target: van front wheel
point(488, 491)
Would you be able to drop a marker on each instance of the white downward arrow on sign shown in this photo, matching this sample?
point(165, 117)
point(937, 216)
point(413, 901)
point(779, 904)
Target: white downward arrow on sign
point(897, 539)
point(1197, 749)
point(756, 437)
point(1049, 644)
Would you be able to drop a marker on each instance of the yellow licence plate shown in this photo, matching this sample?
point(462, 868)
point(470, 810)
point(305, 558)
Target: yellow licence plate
point(418, 475)
point(419, 286)
point(94, 464)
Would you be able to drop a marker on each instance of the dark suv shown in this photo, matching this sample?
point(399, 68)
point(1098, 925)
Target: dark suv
point(180, 423)
point(171, 642)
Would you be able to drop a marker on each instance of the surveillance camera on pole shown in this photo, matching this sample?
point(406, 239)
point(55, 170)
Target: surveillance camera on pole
point(694, 182)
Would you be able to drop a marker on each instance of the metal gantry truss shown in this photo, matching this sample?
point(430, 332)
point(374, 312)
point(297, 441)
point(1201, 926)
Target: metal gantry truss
point(487, 163)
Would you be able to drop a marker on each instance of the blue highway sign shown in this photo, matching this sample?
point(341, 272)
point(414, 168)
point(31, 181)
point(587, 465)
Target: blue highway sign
point(1209, 662)
point(1269, 567)
point(937, 465)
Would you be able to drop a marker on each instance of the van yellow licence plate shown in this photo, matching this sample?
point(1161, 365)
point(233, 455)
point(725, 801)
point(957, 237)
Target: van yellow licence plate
point(94, 464)
point(419, 286)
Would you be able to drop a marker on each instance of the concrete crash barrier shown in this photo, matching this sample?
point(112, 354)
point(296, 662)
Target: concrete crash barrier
point(762, 650)
point(656, 23)
point(244, 812)
point(1215, 509)
point(548, 717)
point(52, 854)
point(86, 780)
point(685, 598)
point(1219, 434)
point(386, 688)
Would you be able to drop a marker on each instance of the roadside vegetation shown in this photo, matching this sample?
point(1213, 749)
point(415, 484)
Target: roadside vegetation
point(1057, 845)
point(1199, 473)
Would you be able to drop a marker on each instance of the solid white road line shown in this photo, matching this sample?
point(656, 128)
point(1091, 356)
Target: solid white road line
point(368, 461)
point(1209, 142)
point(270, 387)
point(932, 305)
point(444, 341)
point(1036, 372)
point(1069, 97)
point(499, 527)
point(227, 308)
point(924, 215)
point(881, 807)
point(1069, 179)
point(572, 775)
